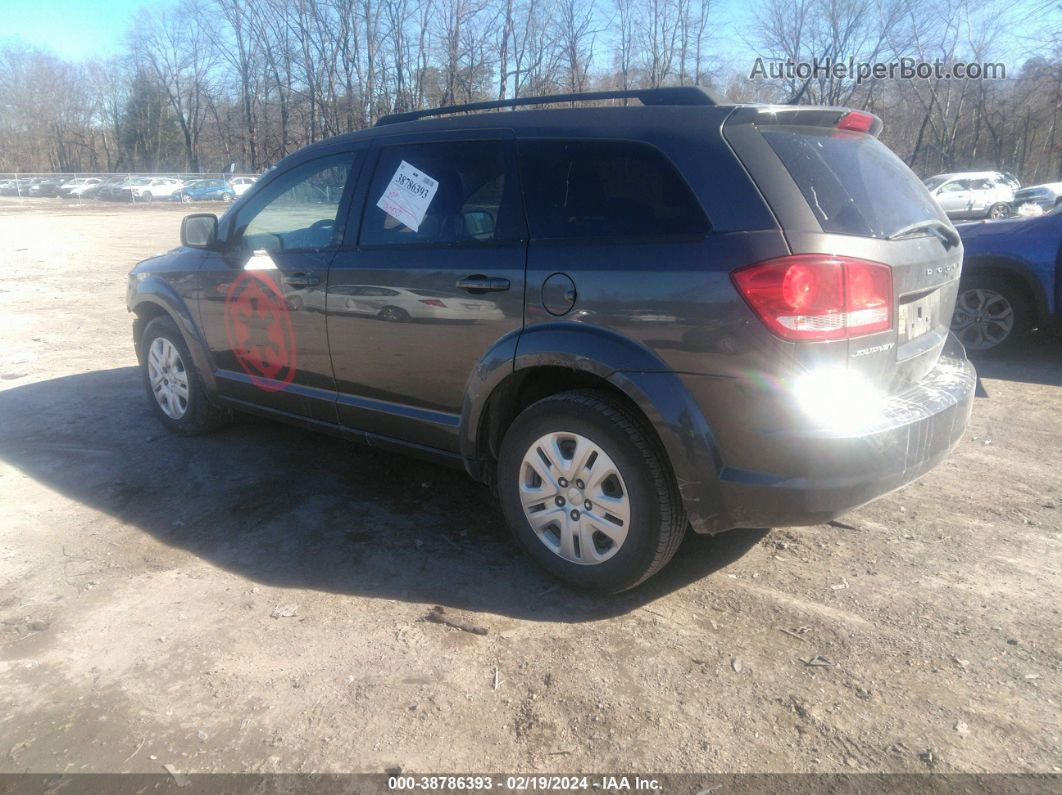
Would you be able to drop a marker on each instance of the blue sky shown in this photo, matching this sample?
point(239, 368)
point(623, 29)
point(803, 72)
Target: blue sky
point(80, 29)
point(73, 29)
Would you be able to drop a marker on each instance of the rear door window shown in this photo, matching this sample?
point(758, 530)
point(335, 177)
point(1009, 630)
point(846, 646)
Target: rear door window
point(852, 182)
point(587, 190)
point(441, 194)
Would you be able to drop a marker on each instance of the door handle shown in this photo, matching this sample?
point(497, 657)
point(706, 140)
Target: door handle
point(483, 284)
point(300, 280)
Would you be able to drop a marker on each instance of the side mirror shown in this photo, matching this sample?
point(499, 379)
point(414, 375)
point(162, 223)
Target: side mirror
point(199, 230)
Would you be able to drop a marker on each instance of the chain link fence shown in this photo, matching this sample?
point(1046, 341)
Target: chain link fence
point(131, 187)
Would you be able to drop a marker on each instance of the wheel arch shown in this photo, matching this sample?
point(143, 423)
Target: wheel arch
point(155, 298)
point(527, 367)
point(1016, 273)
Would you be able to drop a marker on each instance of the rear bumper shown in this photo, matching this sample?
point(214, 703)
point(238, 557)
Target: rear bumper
point(778, 469)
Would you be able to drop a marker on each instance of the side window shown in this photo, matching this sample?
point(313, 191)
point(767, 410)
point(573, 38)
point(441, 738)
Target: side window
point(441, 193)
point(605, 189)
point(956, 186)
point(297, 210)
point(981, 184)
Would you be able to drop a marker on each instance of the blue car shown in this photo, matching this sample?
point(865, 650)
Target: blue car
point(1011, 281)
point(204, 190)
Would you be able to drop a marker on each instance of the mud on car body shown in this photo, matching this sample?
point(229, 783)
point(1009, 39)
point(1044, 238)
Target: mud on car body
point(679, 314)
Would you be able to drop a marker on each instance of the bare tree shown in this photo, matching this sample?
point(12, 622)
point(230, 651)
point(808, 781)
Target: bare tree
point(175, 44)
point(577, 35)
point(209, 82)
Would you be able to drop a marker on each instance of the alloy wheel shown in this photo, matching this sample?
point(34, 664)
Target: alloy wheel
point(983, 318)
point(168, 378)
point(574, 498)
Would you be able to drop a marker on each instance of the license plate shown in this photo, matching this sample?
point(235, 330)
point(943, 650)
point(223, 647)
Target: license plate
point(918, 317)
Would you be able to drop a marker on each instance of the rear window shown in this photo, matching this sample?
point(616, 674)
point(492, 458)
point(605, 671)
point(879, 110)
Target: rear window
point(594, 190)
point(852, 182)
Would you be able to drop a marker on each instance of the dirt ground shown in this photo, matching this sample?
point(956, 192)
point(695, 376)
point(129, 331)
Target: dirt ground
point(140, 574)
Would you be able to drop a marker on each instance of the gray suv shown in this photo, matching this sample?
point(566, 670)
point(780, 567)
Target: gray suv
point(630, 320)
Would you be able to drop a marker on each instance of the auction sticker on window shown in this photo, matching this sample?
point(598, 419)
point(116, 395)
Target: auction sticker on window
point(408, 195)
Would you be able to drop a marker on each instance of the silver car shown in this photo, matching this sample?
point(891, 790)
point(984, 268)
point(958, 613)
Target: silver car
point(980, 194)
point(1038, 199)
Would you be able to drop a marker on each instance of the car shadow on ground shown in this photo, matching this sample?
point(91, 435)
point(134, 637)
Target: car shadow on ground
point(289, 508)
point(1038, 360)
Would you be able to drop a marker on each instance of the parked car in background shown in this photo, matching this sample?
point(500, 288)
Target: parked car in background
point(115, 189)
point(44, 186)
point(1011, 281)
point(76, 188)
point(976, 194)
point(16, 187)
point(241, 184)
point(1038, 199)
point(156, 188)
point(96, 191)
point(202, 190)
point(128, 190)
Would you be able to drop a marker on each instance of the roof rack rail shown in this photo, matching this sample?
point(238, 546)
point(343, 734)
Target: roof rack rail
point(671, 95)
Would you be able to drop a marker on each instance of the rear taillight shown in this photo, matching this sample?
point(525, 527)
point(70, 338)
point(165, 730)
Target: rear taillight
point(433, 302)
point(818, 296)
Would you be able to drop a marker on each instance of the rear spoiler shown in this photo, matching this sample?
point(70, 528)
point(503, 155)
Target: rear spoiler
point(807, 116)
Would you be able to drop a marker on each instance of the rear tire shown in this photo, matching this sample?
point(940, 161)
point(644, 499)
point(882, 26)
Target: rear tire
point(394, 314)
point(174, 389)
point(992, 315)
point(593, 551)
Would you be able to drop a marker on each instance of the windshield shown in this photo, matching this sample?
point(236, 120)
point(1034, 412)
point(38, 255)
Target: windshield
point(852, 182)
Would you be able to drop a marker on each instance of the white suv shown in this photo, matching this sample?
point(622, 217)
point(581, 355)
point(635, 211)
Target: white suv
point(158, 188)
point(241, 184)
point(974, 194)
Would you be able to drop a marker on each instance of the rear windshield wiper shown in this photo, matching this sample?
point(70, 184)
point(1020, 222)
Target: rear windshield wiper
point(944, 231)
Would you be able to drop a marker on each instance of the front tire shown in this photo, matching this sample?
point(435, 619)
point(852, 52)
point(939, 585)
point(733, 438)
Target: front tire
point(992, 315)
point(588, 492)
point(997, 211)
point(174, 388)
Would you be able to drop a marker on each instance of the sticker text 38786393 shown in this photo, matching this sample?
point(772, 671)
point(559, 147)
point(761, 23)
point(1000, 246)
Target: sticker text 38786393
point(408, 195)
